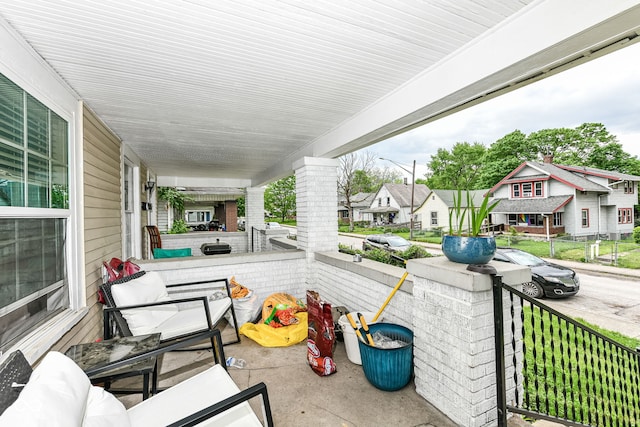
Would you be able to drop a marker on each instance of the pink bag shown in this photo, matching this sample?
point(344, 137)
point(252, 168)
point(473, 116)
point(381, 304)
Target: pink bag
point(117, 269)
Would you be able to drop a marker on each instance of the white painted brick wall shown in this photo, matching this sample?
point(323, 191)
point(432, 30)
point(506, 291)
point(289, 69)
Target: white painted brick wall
point(254, 212)
point(359, 293)
point(263, 277)
point(316, 201)
point(454, 352)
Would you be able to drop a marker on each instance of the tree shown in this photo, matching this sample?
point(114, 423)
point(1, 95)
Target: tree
point(354, 177)
point(613, 158)
point(280, 197)
point(458, 168)
point(564, 145)
point(503, 156)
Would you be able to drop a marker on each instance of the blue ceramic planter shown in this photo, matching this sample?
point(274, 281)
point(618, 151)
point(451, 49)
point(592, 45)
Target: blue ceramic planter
point(469, 250)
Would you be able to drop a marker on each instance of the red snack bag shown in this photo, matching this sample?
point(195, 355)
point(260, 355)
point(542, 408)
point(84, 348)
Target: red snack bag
point(321, 338)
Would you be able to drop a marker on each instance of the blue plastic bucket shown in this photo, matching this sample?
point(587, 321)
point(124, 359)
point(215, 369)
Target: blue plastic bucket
point(388, 369)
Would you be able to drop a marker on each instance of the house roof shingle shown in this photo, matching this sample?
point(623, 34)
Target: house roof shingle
point(401, 193)
point(536, 205)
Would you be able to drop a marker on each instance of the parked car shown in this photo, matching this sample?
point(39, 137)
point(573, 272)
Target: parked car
point(548, 279)
point(271, 225)
point(387, 242)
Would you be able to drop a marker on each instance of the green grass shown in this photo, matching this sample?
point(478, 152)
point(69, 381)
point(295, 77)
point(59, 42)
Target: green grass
point(571, 374)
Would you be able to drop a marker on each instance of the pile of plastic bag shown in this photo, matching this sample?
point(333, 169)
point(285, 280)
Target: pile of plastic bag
point(283, 323)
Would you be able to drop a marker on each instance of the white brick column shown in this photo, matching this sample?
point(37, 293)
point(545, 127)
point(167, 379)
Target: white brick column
point(317, 204)
point(454, 348)
point(253, 211)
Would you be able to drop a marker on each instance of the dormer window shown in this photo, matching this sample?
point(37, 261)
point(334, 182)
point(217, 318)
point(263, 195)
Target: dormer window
point(527, 189)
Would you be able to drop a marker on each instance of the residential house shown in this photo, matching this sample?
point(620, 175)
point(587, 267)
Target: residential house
point(434, 212)
point(550, 199)
point(98, 99)
point(360, 202)
point(392, 203)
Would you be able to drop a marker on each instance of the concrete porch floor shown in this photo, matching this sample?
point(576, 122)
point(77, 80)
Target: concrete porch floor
point(299, 397)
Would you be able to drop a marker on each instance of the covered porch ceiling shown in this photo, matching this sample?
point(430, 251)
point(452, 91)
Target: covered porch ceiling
point(230, 93)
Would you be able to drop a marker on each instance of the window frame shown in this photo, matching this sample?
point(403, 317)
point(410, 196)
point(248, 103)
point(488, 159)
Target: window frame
point(629, 187)
point(625, 216)
point(557, 219)
point(44, 85)
point(434, 217)
point(584, 217)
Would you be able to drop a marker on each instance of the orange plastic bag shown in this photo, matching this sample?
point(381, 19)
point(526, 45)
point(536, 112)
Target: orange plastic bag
point(281, 298)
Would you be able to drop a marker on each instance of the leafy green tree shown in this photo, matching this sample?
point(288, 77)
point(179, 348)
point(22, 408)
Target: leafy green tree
point(612, 157)
point(280, 198)
point(458, 168)
point(563, 144)
point(503, 156)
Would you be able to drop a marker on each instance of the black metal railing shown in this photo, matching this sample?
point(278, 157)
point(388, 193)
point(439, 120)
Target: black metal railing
point(563, 371)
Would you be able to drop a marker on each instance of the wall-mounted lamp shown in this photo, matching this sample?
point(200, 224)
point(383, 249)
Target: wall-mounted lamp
point(149, 185)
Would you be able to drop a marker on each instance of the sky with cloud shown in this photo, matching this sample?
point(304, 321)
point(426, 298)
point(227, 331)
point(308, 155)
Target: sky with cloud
point(605, 90)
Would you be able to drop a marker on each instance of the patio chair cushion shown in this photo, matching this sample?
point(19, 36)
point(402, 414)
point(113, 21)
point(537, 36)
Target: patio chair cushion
point(213, 385)
point(187, 320)
point(56, 395)
point(148, 288)
point(171, 253)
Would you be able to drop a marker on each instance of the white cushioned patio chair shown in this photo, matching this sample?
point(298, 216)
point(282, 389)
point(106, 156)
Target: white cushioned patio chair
point(57, 393)
point(141, 304)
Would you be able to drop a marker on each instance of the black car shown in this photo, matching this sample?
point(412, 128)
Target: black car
point(388, 242)
point(548, 280)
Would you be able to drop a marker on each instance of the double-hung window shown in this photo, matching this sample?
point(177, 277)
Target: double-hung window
point(34, 213)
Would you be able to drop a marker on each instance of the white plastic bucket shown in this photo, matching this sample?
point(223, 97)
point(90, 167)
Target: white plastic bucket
point(350, 337)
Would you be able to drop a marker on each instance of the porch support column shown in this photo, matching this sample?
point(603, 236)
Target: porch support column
point(253, 211)
point(317, 204)
point(454, 348)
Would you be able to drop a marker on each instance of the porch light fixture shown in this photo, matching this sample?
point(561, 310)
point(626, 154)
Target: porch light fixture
point(413, 187)
point(149, 185)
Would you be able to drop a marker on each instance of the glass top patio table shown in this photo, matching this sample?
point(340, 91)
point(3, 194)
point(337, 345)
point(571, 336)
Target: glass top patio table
point(96, 356)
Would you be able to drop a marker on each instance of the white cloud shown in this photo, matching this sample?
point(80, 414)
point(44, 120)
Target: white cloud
point(605, 90)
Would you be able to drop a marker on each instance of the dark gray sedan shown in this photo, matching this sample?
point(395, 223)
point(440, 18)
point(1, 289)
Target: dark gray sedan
point(548, 280)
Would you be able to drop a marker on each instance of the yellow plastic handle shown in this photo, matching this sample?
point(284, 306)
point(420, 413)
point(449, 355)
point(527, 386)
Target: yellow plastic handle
point(366, 330)
point(355, 326)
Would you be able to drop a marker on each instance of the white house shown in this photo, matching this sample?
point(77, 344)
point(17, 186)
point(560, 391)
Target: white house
point(360, 204)
point(392, 202)
point(434, 212)
point(548, 199)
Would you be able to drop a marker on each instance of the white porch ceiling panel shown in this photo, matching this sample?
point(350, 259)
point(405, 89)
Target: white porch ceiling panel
point(230, 89)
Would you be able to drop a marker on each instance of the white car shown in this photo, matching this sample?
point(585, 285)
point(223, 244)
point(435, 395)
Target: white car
point(273, 225)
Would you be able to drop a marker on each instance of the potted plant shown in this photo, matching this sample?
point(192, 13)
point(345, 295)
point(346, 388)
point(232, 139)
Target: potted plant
point(469, 246)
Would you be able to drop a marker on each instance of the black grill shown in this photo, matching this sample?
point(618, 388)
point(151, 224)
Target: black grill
point(217, 248)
